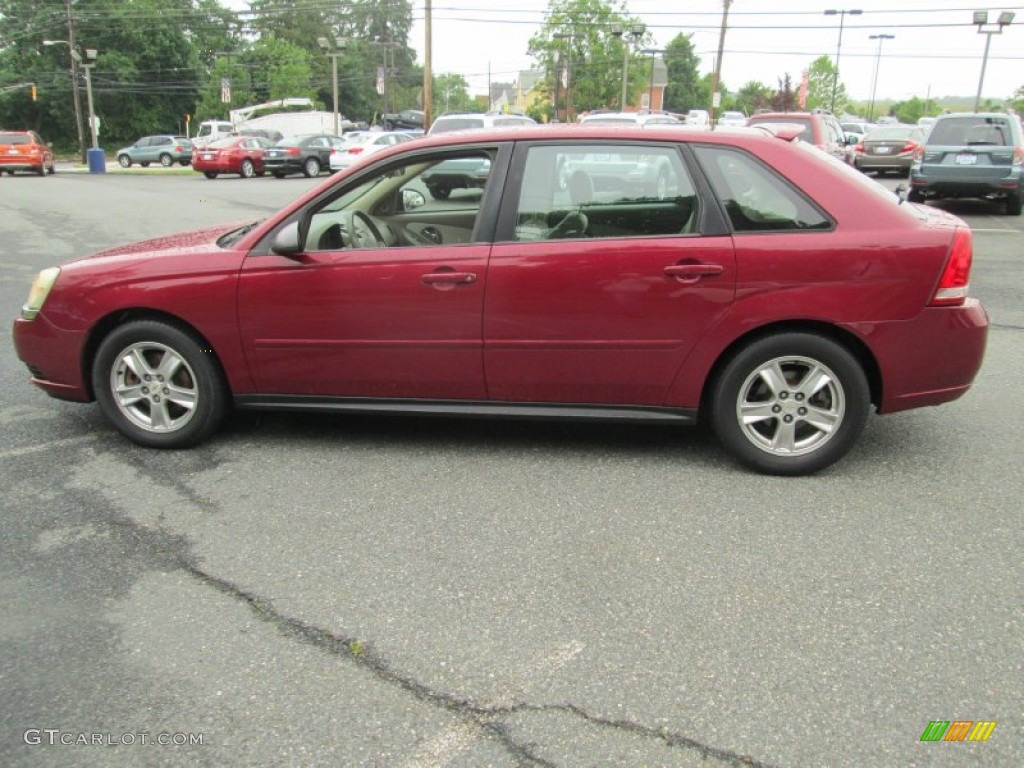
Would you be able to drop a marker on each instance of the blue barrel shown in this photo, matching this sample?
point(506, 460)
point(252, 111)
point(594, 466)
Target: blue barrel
point(97, 160)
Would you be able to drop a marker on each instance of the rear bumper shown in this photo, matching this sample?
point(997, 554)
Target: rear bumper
point(950, 185)
point(931, 359)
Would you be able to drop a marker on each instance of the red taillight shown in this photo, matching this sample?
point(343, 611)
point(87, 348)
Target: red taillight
point(910, 146)
point(1018, 155)
point(354, 150)
point(859, 147)
point(178, 149)
point(919, 152)
point(293, 150)
point(956, 276)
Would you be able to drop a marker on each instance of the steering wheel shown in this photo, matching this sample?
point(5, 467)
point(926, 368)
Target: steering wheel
point(361, 232)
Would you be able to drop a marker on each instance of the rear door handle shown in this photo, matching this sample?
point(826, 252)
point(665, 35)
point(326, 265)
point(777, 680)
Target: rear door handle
point(693, 271)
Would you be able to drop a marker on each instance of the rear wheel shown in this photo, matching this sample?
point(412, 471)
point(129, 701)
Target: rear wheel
point(210, 174)
point(158, 386)
point(248, 170)
point(124, 161)
point(278, 175)
point(790, 404)
point(1013, 204)
point(166, 160)
point(914, 196)
point(311, 167)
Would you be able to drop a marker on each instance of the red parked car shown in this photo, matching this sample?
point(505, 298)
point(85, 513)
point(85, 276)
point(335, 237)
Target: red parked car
point(25, 151)
point(732, 275)
point(235, 154)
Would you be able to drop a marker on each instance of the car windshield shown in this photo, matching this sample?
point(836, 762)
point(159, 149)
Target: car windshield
point(14, 138)
point(972, 130)
point(223, 143)
point(457, 124)
point(892, 132)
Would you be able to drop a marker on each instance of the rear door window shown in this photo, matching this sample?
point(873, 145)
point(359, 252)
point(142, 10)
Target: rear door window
point(605, 191)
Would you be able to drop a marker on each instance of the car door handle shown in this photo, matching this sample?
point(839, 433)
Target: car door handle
point(449, 278)
point(693, 271)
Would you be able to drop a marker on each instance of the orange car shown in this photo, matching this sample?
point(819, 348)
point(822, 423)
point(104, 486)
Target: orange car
point(25, 151)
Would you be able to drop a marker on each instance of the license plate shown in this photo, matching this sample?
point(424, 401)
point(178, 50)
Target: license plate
point(966, 159)
point(883, 150)
point(208, 156)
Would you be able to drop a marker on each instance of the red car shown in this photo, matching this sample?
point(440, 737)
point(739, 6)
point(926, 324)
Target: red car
point(756, 283)
point(25, 151)
point(819, 128)
point(235, 154)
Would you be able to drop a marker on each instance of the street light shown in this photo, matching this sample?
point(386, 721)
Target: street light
point(636, 32)
point(878, 63)
point(568, 74)
point(333, 54)
point(839, 48)
point(984, 28)
point(75, 58)
point(650, 94)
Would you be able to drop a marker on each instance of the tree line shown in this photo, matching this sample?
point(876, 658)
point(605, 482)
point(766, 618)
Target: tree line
point(163, 64)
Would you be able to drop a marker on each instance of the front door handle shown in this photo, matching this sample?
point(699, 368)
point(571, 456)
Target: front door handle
point(693, 272)
point(449, 278)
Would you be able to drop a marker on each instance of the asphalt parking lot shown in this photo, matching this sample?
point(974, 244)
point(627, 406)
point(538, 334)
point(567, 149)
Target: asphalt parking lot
point(304, 590)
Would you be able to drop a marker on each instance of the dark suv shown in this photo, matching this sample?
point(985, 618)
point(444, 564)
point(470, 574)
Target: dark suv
point(972, 154)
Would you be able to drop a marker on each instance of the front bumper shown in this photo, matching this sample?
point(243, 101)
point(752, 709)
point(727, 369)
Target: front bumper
point(53, 356)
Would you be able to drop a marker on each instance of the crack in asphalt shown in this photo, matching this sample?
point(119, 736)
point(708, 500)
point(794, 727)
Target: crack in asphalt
point(487, 718)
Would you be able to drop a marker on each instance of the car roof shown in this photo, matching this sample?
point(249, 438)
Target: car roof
point(600, 131)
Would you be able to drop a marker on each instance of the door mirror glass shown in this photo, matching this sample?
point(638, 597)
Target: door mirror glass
point(287, 241)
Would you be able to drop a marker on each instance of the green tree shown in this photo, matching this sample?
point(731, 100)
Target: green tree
point(577, 37)
point(821, 79)
point(909, 111)
point(451, 94)
point(1017, 101)
point(686, 89)
point(753, 96)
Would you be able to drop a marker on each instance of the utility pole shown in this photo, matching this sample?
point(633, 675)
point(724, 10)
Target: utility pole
point(74, 86)
point(716, 78)
point(428, 73)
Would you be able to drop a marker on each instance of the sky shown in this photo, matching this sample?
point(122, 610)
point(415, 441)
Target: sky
point(937, 51)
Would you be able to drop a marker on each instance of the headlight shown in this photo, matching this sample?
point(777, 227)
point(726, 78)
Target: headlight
point(40, 290)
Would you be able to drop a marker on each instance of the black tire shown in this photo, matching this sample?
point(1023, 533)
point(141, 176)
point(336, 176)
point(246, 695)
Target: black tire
point(439, 192)
point(52, 169)
point(311, 168)
point(166, 160)
point(124, 161)
point(278, 175)
point(184, 163)
point(1013, 204)
point(210, 174)
point(248, 170)
point(810, 393)
point(914, 196)
point(145, 164)
point(131, 403)
point(42, 170)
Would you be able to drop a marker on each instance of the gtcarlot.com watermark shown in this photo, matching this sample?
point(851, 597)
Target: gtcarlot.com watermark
point(57, 737)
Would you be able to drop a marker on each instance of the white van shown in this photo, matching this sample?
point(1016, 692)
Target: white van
point(468, 120)
point(211, 130)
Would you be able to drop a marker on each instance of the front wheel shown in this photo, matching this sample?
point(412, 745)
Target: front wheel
point(210, 174)
point(248, 170)
point(790, 404)
point(166, 160)
point(124, 161)
point(311, 168)
point(158, 386)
